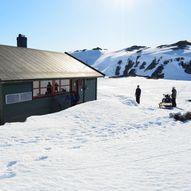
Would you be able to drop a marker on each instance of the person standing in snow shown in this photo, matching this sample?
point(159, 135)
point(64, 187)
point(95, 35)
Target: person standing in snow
point(173, 95)
point(138, 94)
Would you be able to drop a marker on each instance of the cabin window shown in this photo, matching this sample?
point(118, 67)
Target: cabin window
point(50, 87)
point(65, 85)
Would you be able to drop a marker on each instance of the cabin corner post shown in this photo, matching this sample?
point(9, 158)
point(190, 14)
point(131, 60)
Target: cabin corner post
point(1, 104)
point(95, 88)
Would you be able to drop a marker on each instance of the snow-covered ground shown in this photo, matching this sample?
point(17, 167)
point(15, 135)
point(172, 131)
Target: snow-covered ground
point(108, 144)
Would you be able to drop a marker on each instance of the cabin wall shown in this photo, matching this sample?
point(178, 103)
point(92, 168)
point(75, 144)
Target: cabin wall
point(1, 105)
point(90, 89)
point(86, 88)
point(20, 111)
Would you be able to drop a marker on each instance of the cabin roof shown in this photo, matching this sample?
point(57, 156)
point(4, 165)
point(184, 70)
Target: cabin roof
point(28, 64)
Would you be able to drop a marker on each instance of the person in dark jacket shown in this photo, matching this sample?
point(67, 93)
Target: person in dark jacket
point(74, 98)
point(173, 95)
point(49, 88)
point(138, 94)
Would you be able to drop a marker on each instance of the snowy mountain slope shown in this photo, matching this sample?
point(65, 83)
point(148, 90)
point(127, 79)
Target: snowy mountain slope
point(109, 144)
point(88, 56)
point(165, 61)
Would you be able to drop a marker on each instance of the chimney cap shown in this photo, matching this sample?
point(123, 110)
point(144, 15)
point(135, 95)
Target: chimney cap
point(22, 41)
point(21, 35)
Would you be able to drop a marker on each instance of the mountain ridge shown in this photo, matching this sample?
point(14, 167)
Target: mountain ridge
point(171, 61)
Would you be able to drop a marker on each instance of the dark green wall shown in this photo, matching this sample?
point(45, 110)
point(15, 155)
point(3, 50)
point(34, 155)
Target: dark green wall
point(20, 111)
point(90, 90)
point(16, 87)
point(1, 105)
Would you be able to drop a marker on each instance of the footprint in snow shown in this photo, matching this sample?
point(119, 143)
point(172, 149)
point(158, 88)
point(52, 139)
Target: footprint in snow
point(7, 175)
point(151, 109)
point(47, 148)
point(76, 147)
point(6, 145)
point(41, 158)
point(11, 163)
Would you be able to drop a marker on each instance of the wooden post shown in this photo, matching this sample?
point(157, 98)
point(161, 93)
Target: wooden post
point(53, 87)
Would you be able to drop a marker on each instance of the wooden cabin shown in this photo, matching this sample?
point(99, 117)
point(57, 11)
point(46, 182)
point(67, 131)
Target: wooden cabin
point(37, 82)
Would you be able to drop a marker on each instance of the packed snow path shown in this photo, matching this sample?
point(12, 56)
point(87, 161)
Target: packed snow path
point(108, 144)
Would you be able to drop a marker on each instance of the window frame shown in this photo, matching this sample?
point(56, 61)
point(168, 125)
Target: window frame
point(53, 82)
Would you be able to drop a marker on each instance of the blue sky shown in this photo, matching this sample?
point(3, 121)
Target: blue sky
point(68, 25)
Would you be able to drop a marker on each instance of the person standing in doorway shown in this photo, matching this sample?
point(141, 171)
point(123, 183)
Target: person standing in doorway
point(138, 94)
point(173, 95)
point(74, 98)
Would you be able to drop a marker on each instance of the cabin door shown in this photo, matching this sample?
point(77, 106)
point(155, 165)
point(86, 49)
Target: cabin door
point(74, 85)
point(90, 93)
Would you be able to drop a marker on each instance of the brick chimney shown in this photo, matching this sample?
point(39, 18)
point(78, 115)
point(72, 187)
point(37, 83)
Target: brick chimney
point(22, 41)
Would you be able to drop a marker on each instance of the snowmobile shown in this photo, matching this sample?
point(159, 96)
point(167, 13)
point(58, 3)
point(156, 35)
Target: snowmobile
point(166, 102)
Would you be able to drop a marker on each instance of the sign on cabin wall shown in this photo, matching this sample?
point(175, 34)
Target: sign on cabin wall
point(19, 97)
